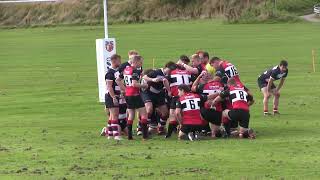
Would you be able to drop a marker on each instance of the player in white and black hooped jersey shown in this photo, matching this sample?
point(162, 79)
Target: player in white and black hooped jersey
point(267, 86)
point(112, 97)
point(155, 96)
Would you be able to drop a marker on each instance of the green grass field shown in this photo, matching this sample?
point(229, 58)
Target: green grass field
point(50, 119)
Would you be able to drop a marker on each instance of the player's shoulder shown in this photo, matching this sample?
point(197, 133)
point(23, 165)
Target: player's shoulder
point(123, 66)
point(276, 69)
point(128, 69)
point(110, 72)
point(226, 63)
point(158, 72)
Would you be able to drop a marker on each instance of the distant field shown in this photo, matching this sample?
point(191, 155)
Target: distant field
point(50, 118)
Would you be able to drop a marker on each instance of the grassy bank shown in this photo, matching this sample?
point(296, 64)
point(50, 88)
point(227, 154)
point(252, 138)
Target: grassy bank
point(90, 12)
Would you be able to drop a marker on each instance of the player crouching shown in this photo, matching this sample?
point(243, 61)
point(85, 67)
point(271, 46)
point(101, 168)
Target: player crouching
point(212, 114)
point(241, 101)
point(188, 112)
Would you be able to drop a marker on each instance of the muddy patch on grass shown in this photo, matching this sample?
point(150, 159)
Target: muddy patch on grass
point(22, 170)
point(82, 170)
point(27, 148)
point(3, 149)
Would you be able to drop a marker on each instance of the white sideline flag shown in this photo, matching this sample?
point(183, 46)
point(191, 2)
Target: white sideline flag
point(105, 48)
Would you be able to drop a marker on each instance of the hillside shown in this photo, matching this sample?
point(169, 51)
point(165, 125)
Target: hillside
point(132, 11)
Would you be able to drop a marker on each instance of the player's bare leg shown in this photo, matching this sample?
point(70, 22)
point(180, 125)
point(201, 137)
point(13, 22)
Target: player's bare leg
point(164, 114)
point(266, 97)
point(116, 130)
point(181, 135)
point(214, 130)
point(226, 120)
point(172, 123)
point(104, 131)
point(149, 109)
point(275, 101)
point(131, 115)
point(246, 133)
point(144, 122)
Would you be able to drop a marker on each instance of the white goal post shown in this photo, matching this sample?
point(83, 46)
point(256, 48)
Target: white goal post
point(105, 48)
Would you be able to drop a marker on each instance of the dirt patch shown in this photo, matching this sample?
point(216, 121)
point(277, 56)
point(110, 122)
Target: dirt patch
point(311, 18)
point(3, 149)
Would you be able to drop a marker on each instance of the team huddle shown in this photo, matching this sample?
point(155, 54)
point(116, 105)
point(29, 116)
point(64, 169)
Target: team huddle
point(192, 97)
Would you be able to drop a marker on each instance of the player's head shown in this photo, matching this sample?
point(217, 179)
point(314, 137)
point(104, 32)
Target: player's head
point(115, 60)
point(283, 65)
point(170, 66)
point(214, 62)
point(232, 82)
point(205, 58)
point(137, 61)
point(200, 53)
point(185, 59)
point(195, 60)
point(207, 77)
point(132, 53)
point(183, 88)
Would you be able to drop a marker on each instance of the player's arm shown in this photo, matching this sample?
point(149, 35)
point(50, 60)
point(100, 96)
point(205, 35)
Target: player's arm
point(109, 84)
point(196, 82)
point(149, 79)
point(119, 82)
point(280, 84)
point(250, 100)
point(220, 97)
point(136, 84)
point(179, 115)
point(249, 97)
point(270, 82)
point(167, 86)
point(111, 91)
point(178, 111)
point(220, 76)
point(190, 69)
point(135, 81)
point(212, 96)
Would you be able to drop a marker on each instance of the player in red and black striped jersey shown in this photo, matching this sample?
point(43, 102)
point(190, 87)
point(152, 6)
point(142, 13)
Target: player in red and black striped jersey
point(225, 70)
point(211, 114)
point(112, 98)
point(131, 87)
point(123, 106)
point(177, 76)
point(267, 87)
point(188, 111)
point(241, 101)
